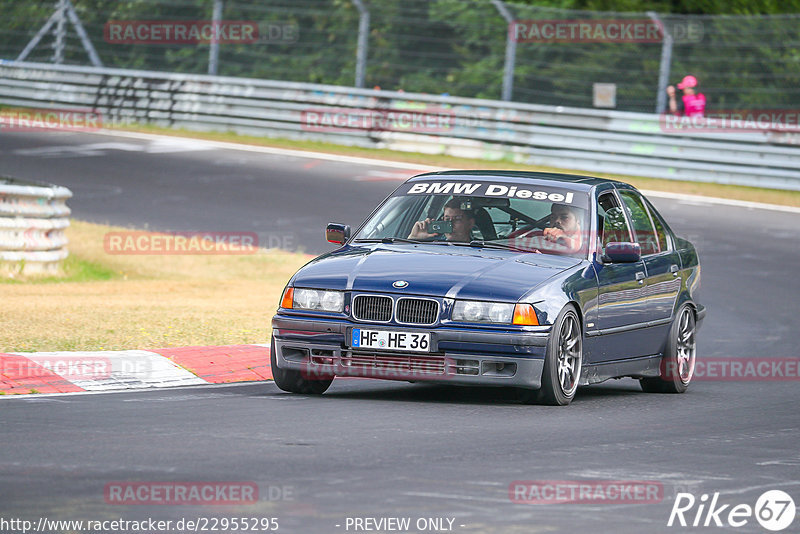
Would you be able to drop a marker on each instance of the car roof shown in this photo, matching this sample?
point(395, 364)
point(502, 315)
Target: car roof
point(574, 181)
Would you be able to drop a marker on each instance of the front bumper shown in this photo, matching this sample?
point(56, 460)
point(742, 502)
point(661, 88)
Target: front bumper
point(317, 348)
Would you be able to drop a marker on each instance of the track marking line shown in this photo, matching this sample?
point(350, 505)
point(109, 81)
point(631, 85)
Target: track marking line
point(203, 387)
point(281, 151)
point(424, 168)
point(701, 200)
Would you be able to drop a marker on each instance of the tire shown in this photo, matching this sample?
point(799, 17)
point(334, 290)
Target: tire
point(292, 381)
point(677, 364)
point(562, 363)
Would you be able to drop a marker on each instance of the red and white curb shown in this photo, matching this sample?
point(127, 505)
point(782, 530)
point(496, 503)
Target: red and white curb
point(70, 372)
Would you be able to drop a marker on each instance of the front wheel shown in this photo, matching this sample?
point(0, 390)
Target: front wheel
point(677, 364)
point(562, 364)
point(292, 381)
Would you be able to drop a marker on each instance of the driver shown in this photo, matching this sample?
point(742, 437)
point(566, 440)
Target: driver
point(463, 221)
point(565, 227)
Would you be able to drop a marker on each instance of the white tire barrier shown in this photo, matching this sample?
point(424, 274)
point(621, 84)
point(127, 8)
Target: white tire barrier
point(33, 217)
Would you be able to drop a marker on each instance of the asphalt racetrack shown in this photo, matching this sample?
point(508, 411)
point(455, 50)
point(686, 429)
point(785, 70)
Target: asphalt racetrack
point(373, 449)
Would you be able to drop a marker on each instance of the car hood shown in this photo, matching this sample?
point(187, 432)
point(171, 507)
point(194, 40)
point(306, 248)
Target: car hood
point(432, 270)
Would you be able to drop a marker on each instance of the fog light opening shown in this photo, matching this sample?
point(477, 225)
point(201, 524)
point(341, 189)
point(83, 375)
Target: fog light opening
point(294, 354)
point(492, 368)
point(467, 367)
point(322, 357)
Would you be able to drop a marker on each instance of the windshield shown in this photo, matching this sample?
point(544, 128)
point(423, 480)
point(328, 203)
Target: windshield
point(517, 216)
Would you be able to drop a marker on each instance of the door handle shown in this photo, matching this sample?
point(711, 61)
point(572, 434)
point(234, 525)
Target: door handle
point(640, 277)
point(673, 269)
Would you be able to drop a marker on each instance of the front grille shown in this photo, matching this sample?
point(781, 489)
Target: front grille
point(394, 365)
point(417, 311)
point(372, 308)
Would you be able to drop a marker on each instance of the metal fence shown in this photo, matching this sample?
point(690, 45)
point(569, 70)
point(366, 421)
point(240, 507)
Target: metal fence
point(562, 137)
point(33, 217)
point(458, 47)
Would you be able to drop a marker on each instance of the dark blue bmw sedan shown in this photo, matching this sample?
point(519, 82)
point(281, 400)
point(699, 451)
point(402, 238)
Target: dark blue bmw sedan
point(541, 282)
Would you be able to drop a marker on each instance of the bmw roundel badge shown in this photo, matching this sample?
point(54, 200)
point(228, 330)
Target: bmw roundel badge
point(400, 284)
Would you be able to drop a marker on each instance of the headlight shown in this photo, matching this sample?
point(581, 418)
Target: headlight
point(313, 299)
point(307, 299)
point(473, 311)
point(332, 301)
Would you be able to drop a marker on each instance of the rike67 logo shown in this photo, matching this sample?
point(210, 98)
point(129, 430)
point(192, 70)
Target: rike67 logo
point(774, 510)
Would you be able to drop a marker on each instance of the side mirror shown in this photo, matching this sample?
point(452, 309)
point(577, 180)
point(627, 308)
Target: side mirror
point(337, 233)
point(622, 253)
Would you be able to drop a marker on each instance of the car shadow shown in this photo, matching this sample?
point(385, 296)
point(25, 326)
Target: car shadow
point(454, 394)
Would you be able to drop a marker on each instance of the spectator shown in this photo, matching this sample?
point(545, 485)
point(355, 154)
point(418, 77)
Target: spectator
point(694, 103)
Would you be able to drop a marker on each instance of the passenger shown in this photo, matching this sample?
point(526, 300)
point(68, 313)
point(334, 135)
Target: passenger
point(463, 221)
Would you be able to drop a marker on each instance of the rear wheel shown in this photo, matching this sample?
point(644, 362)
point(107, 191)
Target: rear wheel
point(292, 380)
point(562, 364)
point(677, 364)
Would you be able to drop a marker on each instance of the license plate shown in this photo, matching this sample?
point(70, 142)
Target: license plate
point(390, 340)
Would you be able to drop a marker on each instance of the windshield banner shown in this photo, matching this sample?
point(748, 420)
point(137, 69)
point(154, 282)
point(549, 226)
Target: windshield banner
point(495, 190)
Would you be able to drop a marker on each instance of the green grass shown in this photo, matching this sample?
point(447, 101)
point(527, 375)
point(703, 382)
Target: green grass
point(74, 269)
point(81, 270)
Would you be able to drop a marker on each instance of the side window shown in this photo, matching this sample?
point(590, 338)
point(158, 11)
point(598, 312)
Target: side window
point(501, 221)
point(646, 236)
point(661, 233)
point(612, 223)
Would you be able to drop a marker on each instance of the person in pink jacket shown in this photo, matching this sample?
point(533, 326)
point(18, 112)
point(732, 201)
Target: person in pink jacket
point(694, 103)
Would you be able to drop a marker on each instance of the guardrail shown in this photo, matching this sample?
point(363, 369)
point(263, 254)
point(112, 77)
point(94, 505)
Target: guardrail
point(592, 140)
point(33, 217)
